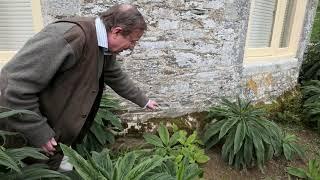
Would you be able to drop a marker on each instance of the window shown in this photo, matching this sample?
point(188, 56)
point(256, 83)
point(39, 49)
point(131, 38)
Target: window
point(19, 20)
point(274, 28)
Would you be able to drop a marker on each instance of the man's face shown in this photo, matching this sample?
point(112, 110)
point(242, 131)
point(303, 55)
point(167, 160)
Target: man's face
point(118, 42)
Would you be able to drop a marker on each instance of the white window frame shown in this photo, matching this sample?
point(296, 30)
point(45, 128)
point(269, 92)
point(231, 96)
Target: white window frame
point(37, 25)
point(274, 50)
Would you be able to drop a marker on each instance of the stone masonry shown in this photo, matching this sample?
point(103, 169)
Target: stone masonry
point(192, 53)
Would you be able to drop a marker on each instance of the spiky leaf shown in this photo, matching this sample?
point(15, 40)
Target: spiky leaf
point(153, 139)
point(239, 137)
point(85, 170)
point(298, 172)
point(227, 126)
point(8, 161)
point(164, 134)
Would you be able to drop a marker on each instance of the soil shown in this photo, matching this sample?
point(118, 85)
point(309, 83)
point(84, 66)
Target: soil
point(217, 169)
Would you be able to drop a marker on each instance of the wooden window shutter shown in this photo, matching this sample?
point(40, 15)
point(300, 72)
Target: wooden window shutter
point(16, 23)
point(262, 18)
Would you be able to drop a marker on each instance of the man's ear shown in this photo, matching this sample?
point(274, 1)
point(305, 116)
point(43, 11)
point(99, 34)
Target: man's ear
point(116, 30)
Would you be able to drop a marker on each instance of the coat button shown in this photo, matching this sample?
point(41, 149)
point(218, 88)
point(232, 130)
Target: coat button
point(83, 115)
point(93, 91)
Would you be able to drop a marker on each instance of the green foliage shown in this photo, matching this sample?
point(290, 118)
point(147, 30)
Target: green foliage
point(104, 128)
point(310, 69)
point(11, 165)
point(287, 108)
point(131, 166)
point(170, 171)
point(179, 145)
point(311, 173)
point(248, 137)
point(290, 148)
point(311, 95)
point(315, 35)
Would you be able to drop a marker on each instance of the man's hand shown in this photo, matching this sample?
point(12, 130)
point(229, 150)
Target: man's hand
point(49, 146)
point(152, 105)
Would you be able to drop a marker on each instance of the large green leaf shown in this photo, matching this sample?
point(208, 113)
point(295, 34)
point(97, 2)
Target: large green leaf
point(98, 132)
point(181, 169)
point(161, 176)
point(114, 120)
point(126, 164)
point(84, 169)
point(103, 161)
point(153, 139)
point(248, 151)
point(201, 158)
point(8, 161)
point(269, 151)
point(287, 151)
point(227, 126)
point(110, 137)
point(298, 172)
point(192, 172)
point(239, 137)
point(212, 129)
point(298, 150)
point(99, 118)
point(174, 139)
point(164, 134)
point(144, 167)
point(21, 153)
point(212, 141)
point(192, 138)
point(35, 172)
point(259, 150)
point(227, 148)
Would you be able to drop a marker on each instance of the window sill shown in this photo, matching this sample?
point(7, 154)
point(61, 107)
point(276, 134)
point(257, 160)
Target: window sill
point(273, 64)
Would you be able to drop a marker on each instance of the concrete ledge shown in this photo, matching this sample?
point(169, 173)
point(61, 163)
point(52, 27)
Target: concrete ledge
point(269, 65)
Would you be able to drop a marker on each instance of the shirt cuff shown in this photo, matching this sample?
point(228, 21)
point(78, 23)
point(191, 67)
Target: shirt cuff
point(145, 106)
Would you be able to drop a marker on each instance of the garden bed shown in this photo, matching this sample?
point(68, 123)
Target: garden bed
point(216, 168)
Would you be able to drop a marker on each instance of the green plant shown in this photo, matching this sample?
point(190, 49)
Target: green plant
point(287, 108)
point(169, 170)
point(310, 69)
point(248, 137)
point(11, 165)
point(311, 95)
point(104, 128)
point(311, 173)
point(290, 148)
point(132, 166)
point(178, 145)
point(315, 35)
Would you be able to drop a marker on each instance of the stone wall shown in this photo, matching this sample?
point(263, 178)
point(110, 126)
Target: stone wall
point(264, 80)
point(192, 53)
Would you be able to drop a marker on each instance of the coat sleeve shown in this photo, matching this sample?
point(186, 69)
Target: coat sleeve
point(120, 82)
point(27, 74)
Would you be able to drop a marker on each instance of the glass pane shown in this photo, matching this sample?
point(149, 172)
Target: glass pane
point(261, 23)
point(287, 23)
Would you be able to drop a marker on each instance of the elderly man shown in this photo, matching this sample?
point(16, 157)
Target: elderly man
point(61, 71)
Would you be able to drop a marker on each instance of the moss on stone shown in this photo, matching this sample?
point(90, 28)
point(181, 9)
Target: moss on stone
point(189, 122)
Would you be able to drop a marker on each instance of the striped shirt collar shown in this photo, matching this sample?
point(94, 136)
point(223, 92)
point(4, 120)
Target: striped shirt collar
point(101, 33)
